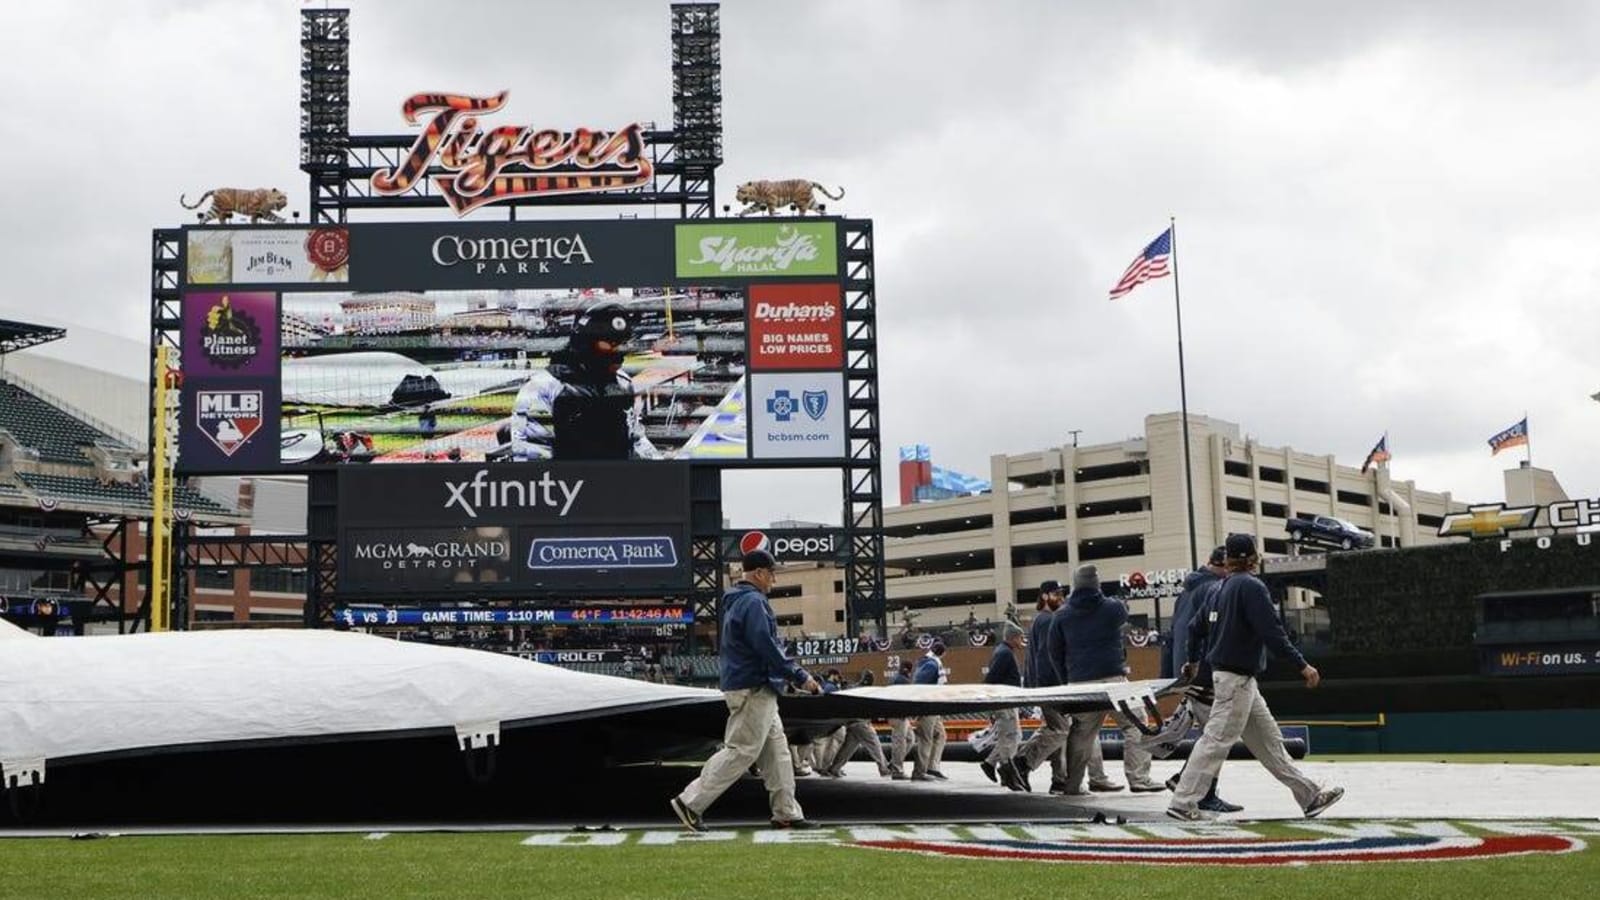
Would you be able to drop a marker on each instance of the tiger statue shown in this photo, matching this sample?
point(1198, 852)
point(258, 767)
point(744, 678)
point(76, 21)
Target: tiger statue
point(775, 195)
point(261, 203)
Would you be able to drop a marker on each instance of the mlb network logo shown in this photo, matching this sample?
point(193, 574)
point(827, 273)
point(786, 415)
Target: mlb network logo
point(783, 407)
point(228, 418)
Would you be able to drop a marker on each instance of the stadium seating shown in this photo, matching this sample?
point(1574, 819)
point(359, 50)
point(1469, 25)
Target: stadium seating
point(88, 490)
point(40, 426)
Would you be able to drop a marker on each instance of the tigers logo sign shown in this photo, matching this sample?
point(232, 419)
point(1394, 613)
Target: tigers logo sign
point(510, 161)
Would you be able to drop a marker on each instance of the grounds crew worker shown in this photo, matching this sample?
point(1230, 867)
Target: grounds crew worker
point(900, 738)
point(754, 671)
point(930, 729)
point(1242, 624)
point(1087, 648)
point(1007, 731)
point(1199, 589)
point(1047, 741)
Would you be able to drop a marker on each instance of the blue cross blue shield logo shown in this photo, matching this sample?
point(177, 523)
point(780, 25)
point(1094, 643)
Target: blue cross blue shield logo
point(781, 405)
point(816, 403)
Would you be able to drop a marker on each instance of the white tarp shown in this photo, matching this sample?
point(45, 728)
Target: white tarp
point(9, 631)
point(67, 697)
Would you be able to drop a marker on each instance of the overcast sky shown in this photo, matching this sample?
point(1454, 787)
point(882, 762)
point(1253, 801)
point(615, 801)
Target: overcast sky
point(1384, 209)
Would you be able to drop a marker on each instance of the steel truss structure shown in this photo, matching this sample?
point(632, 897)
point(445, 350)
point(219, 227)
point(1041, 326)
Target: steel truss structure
point(339, 166)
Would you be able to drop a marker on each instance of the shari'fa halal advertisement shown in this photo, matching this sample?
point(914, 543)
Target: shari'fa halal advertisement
point(229, 403)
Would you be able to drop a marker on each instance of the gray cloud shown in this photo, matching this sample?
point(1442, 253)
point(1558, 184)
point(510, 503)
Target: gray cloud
point(1383, 208)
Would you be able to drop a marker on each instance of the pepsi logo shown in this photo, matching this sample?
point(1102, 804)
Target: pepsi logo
point(753, 541)
point(809, 546)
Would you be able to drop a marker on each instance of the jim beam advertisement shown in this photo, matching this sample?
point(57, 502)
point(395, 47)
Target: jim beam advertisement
point(229, 401)
point(514, 527)
point(1507, 524)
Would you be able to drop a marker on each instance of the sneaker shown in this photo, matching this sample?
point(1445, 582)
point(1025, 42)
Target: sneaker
point(1145, 787)
point(793, 823)
point(1057, 788)
point(1188, 815)
point(897, 775)
point(917, 777)
point(1020, 763)
point(935, 773)
point(1323, 800)
point(690, 819)
point(1104, 787)
point(987, 770)
point(1172, 783)
point(1216, 804)
point(801, 773)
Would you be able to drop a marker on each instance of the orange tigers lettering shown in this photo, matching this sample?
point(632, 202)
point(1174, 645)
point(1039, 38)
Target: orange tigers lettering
point(487, 166)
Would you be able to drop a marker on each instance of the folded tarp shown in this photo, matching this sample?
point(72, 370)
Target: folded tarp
point(84, 698)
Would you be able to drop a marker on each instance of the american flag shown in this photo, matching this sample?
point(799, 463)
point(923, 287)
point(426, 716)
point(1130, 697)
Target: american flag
point(1152, 263)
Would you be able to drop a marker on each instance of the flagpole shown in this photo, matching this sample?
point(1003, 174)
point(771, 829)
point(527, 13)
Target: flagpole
point(1183, 397)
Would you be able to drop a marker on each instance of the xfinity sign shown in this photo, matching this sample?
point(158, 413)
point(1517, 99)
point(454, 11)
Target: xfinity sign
point(485, 492)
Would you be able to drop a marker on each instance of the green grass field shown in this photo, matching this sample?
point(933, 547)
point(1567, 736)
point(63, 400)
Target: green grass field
point(500, 865)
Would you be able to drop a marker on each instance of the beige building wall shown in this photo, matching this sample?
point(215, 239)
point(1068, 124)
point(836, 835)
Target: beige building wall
point(1123, 506)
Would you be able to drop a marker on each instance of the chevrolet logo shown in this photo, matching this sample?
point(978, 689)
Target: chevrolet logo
point(1488, 520)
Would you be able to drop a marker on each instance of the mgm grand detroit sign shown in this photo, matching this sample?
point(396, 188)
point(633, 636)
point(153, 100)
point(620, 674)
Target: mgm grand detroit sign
point(1581, 518)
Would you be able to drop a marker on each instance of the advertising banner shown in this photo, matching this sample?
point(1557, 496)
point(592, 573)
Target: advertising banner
point(231, 334)
point(268, 255)
point(797, 415)
point(425, 256)
point(229, 403)
point(515, 529)
point(1542, 659)
point(757, 249)
point(536, 493)
point(788, 545)
point(631, 557)
point(796, 326)
point(419, 560)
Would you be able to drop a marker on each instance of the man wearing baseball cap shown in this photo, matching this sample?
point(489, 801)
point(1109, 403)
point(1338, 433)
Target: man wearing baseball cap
point(1232, 632)
point(754, 671)
point(930, 729)
point(1198, 591)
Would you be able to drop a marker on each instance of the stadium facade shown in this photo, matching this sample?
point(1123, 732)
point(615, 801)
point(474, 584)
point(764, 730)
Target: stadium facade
point(1122, 506)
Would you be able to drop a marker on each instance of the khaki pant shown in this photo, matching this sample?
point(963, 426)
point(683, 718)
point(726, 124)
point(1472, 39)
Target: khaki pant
point(1007, 736)
point(823, 748)
point(900, 741)
point(858, 734)
point(930, 745)
point(1239, 713)
point(754, 735)
point(1048, 740)
point(1086, 735)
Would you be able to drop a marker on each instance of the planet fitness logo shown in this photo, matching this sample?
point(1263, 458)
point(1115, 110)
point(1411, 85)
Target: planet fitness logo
point(230, 338)
point(1241, 851)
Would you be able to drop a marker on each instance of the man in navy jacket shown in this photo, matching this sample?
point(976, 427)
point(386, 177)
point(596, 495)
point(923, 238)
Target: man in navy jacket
point(930, 729)
point(1003, 670)
point(1199, 590)
point(754, 671)
point(900, 739)
point(1050, 739)
point(1232, 634)
point(1087, 648)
